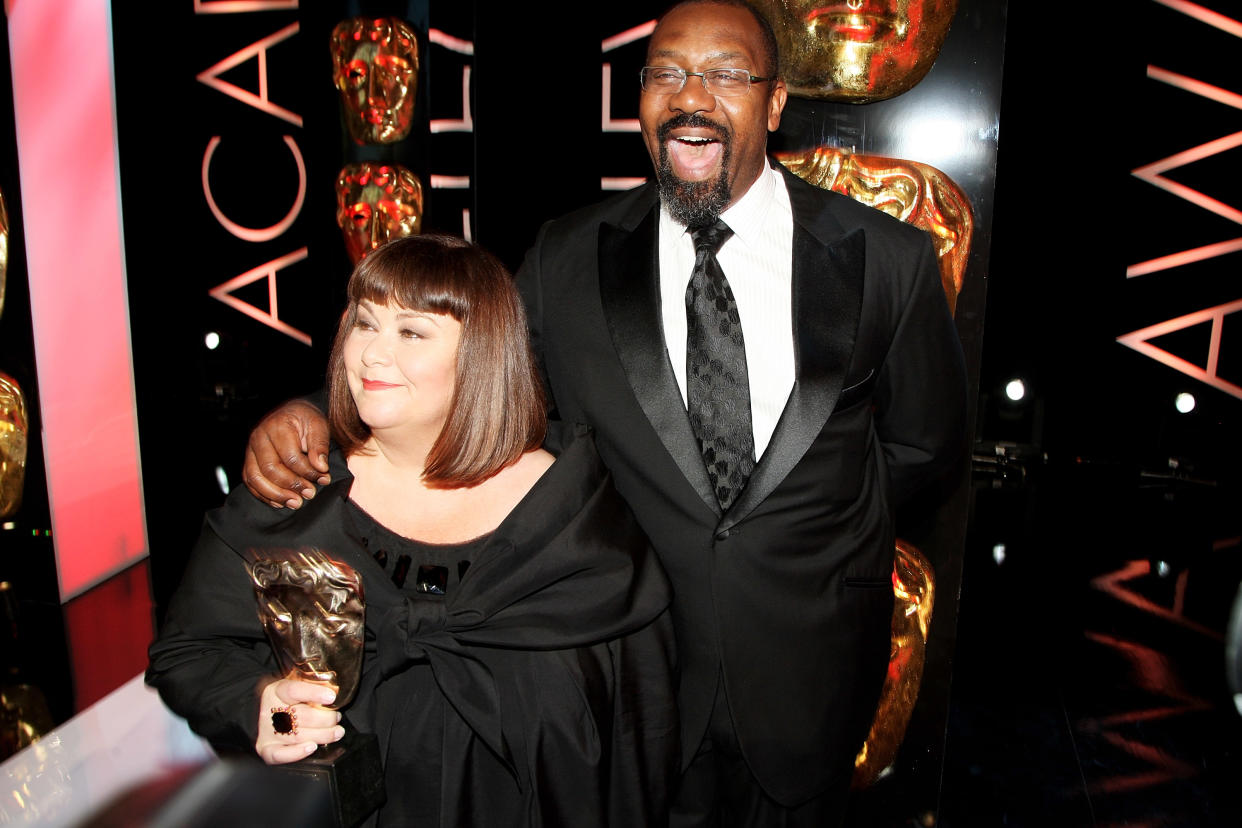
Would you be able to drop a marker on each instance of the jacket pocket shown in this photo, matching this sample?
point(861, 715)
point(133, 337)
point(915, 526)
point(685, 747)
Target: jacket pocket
point(857, 392)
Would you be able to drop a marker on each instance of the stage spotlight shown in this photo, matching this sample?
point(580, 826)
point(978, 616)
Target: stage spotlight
point(1015, 390)
point(998, 553)
point(1184, 402)
point(222, 479)
point(1163, 569)
point(212, 340)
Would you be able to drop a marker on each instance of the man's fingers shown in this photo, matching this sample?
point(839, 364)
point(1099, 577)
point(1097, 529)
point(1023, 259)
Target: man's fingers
point(262, 485)
point(276, 468)
point(314, 443)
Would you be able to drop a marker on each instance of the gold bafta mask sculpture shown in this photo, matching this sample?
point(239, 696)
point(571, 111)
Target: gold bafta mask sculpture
point(375, 68)
point(376, 203)
point(13, 430)
point(24, 714)
point(914, 587)
point(916, 193)
point(856, 51)
point(313, 611)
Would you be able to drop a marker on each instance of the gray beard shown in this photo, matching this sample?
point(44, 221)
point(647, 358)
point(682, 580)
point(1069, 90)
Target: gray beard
point(692, 203)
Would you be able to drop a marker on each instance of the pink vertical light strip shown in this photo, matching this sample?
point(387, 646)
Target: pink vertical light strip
point(67, 157)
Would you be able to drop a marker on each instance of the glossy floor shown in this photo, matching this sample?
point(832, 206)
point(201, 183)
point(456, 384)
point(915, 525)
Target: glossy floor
point(1089, 682)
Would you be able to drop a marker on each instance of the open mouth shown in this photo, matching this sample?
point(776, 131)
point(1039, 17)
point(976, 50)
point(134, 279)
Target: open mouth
point(695, 146)
point(694, 158)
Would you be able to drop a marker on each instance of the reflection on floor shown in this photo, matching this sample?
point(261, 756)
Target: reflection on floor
point(1089, 683)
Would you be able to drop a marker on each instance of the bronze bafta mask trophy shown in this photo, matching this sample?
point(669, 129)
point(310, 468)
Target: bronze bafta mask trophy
point(856, 51)
point(314, 613)
point(13, 430)
point(916, 193)
point(375, 68)
point(376, 203)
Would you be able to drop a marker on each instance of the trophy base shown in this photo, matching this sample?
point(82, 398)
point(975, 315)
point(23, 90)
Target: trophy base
point(351, 771)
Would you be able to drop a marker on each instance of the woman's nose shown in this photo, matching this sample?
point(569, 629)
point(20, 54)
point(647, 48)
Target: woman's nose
point(376, 352)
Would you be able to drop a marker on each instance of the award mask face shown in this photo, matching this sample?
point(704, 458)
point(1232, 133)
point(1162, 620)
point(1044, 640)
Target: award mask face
point(376, 203)
point(857, 51)
point(13, 429)
point(375, 68)
point(916, 193)
point(313, 611)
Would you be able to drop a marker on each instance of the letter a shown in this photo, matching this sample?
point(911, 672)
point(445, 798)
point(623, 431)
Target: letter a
point(260, 101)
point(224, 292)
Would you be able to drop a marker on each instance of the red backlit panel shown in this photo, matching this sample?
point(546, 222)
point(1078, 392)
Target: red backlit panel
point(108, 628)
point(66, 145)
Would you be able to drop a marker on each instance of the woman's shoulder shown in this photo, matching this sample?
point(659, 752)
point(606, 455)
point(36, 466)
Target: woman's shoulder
point(242, 516)
point(528, 468)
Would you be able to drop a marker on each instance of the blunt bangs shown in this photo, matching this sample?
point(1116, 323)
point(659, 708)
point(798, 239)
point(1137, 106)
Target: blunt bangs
point(430, 274)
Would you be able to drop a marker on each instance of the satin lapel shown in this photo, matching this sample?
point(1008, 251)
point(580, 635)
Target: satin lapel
point(827, 304)
point(629, 287)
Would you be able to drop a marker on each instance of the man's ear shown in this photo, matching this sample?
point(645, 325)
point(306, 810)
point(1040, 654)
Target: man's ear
point(776, 104)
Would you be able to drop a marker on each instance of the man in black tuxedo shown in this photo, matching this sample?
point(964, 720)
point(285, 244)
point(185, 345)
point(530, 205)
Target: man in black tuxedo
point(773, 511)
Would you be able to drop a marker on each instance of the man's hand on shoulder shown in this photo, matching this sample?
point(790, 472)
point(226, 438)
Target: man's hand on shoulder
point(288, 448)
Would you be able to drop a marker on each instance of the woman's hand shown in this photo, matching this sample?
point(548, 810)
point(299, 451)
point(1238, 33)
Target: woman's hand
point(314, 725)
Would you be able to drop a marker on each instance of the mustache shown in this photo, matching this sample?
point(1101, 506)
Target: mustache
point(692, 120)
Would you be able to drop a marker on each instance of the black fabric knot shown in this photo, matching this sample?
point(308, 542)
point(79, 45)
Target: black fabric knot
point(411, 628)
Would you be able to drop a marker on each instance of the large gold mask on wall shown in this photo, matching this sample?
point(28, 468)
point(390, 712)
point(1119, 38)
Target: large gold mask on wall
point(376, 203)
point(375, 68)
point(13, 430)
point(857, 51)
point(916, 193)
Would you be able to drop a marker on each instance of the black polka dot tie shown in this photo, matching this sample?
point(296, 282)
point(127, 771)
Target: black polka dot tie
point(717, 388)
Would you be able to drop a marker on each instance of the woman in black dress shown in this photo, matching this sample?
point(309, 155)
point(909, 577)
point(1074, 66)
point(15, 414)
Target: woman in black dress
point(518, 654)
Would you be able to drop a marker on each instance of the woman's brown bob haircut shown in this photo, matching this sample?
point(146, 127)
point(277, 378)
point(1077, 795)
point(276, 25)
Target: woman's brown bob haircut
point(498, 411)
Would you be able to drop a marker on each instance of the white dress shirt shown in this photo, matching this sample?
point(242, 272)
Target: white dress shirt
point(758, 262)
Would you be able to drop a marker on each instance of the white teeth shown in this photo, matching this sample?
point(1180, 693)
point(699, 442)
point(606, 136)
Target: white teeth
point(694, 140)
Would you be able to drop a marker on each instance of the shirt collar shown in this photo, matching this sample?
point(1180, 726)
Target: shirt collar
point(748, 216)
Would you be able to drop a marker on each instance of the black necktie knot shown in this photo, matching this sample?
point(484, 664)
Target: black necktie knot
point(711, 237)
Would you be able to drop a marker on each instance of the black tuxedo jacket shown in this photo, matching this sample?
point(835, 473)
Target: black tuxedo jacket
point(786, 597)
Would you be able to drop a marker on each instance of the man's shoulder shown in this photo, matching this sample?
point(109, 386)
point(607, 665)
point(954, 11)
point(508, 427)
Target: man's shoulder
point(811, 203)
point(627, 206)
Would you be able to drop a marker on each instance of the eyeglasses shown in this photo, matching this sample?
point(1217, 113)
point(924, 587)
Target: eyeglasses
point(723, 83)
